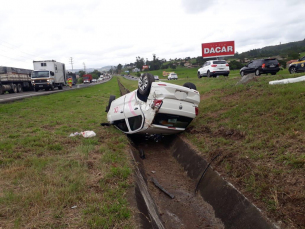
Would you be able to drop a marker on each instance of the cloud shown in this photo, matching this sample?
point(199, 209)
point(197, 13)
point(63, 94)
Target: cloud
point(197, 6)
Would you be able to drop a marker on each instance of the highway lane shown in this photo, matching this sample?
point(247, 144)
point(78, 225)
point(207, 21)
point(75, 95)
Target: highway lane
point(10, 97)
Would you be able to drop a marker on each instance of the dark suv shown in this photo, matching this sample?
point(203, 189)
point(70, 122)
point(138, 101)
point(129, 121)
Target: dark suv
point(261, 66)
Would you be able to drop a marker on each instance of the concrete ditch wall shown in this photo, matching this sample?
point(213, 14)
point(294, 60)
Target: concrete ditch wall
point(234, 209)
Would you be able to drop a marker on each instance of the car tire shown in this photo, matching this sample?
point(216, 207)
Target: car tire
point(242, 73)
point(208, 74)
point(2, 90)
point(14, 88)
point(111, 98)
point(52, 87)
point(257, 73)
point(190, 85)
point(292, 70)
point(198, 74)
point(19, 88)
point(144, 83)
point(273, 73)
point(226, 75)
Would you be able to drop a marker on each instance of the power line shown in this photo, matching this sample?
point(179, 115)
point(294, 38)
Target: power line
point(16, 48)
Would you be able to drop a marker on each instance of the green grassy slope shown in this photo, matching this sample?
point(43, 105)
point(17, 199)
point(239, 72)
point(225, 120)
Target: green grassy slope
point(51, 180)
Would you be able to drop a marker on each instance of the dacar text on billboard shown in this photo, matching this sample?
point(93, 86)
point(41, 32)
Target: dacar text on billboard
point(218, 49)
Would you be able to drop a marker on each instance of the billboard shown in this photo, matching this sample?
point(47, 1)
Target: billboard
point(145, 67)
point(217, 49)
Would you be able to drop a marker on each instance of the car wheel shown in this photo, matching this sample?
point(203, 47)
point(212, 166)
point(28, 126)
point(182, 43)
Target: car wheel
point(198, 74)
point(257, 73)
point(242, 73)
point(208, 74)
point(15, 88)
point(292, 70)
point(145, 82)
point(273, 73)
point(19, 88)
point(190, 85)
point(111, 98)
point(1, 90)
point(52, 87)
point(226, 75)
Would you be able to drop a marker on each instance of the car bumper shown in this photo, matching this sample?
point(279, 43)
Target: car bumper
point(215, 73)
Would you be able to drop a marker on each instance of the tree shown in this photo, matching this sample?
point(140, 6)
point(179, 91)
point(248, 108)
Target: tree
point(81, 73)
point(119, 68)
point(139, 62)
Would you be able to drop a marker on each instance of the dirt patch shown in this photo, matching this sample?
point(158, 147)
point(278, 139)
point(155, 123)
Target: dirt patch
point(186, 210)
point(222, 131)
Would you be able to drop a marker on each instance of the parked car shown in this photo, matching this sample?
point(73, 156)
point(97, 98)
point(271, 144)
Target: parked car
point(172, 76)
point(213, 68)
point(155, 108)
point(298, 66)
point(94, 80)
point(156, 77)
point(261, 66)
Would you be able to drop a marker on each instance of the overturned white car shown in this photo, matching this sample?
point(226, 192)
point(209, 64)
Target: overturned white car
point(154, 108)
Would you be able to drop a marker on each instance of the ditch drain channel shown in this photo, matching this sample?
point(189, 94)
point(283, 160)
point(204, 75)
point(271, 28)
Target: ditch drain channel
point(166, 175)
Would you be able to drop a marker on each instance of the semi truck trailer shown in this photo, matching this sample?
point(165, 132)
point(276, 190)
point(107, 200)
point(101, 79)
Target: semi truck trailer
point(48, 74)
point(15, 80)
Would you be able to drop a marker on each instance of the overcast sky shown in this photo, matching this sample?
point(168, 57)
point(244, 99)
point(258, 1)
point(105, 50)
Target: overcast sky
point(108, 32)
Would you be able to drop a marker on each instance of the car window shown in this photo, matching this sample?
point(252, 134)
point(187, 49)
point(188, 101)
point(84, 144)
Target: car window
point(219, 62)
point(271, 62)
point(251, 65)
point(121, 124)
point(135, 122)
point(171, 120)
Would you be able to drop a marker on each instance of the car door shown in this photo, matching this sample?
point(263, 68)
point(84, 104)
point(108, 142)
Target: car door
point(301, 66)
point(205, 68)
point(116, 114)
point(133, 113)
point(250, 68)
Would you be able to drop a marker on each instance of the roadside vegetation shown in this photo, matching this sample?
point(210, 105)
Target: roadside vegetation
point(51, 180)
point(259, 129)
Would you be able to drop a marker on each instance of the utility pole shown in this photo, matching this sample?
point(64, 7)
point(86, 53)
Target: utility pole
point(71, 62)
point(84, 67)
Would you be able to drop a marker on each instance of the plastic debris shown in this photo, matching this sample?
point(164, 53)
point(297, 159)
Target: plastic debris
point(289, 80)
point(74, 134)
point(74, 207)
point(88, 134)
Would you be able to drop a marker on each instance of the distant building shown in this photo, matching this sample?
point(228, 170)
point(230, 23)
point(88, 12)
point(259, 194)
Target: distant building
point(135, 70)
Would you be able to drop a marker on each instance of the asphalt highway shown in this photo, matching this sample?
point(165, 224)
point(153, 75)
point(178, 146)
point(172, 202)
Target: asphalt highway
point(11, 97)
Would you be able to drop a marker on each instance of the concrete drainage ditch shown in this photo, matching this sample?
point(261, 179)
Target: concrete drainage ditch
point(165, 189)
point(177, 167)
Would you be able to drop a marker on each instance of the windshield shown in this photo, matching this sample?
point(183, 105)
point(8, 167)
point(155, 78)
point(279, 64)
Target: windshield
point(275, 62)
point(40, 74)
point(174, 75)
point(219, 62)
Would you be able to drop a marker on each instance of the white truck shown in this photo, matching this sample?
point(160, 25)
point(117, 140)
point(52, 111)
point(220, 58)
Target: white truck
point(14, 80)
point(48, 74)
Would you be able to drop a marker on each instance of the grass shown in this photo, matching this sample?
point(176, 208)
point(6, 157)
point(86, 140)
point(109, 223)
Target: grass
point(260, 131)
point(44, 172)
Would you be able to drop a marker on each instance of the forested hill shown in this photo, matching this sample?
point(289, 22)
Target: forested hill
point(291, 49)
